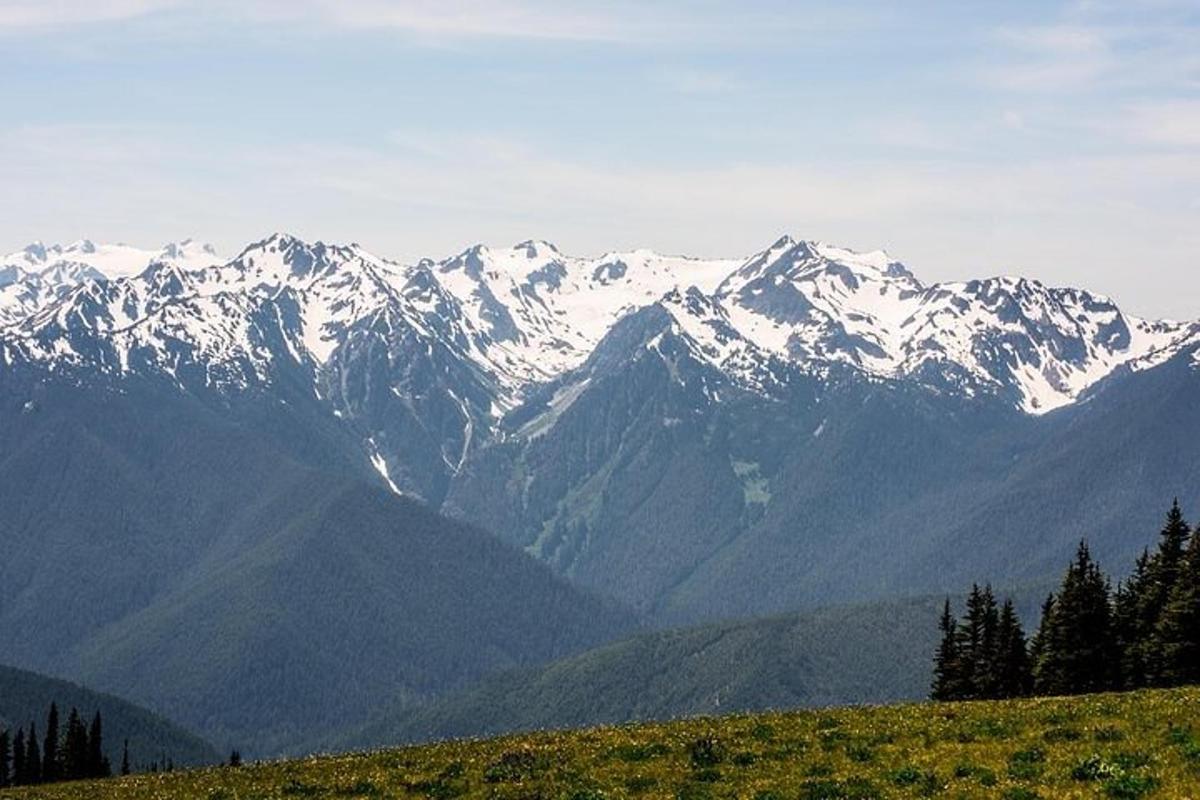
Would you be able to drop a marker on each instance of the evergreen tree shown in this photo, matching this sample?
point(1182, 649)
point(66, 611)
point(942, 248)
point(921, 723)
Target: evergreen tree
point(33, 756)
point(51, 761)
point(1129, 626)
point(235, 759)
point(20, 775)
point(977, 644)
point(1014, 677)
point(75, 749)
point(1077, 650)
point(1178, 631)
point(947, 665)
point(97, 763)
point(1037, 645)
point(5, 759)
point(125, 758)
point(1162, 573)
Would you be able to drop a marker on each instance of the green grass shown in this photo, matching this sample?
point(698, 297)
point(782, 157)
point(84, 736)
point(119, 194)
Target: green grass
point(1140, 744)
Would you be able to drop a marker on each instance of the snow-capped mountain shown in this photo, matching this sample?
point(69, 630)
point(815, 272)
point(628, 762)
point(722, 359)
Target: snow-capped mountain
point(1038, 346)
point(39, 274)
point(444, 350)
point(652, 426)
point(525, 315)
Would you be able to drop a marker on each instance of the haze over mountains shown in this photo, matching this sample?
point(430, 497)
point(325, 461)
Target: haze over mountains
point(210, 450)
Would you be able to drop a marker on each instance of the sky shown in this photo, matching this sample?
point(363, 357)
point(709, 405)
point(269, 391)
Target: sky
point(1060, 141)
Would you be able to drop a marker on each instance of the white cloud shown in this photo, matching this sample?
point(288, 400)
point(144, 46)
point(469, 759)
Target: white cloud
point(1172, 123)
point(23, 14)
point(1050, 58)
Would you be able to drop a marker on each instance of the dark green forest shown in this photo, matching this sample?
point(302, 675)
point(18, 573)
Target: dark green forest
point(1091, 637)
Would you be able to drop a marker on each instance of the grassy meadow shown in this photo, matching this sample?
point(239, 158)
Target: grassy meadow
point(1138, 744)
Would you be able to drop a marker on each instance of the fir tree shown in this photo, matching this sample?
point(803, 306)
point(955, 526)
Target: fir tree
point(51, 763)
point(74, 749)
point(1162, 573)
point(1037, 645)
point(125, 758)
point(97, 763)
point(947, 666)
point(33, 756)
point(5, 759)
point(235, 759)
point(1178, 631)
point(1014, 676)
point(20, 775)
point(1075, 642)
point(1128, 625)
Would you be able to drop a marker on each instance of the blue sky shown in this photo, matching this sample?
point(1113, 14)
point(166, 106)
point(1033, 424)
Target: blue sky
point(1055, 140)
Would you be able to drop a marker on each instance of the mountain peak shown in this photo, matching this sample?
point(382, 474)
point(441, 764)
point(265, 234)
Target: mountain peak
point(36, 250)
point(535, 248)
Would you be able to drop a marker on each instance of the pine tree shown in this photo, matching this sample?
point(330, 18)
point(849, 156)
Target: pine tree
point(1178, 631)
point(97, 764)
point(1128, 625)
point(1162, 573)
point(74, 749)
point(20, 775)
point(977, 644)
point(1015, 678)
point(1076, 646)
point(235, 759)
point(1037, 645)
point(51, 762)
point(5, 759)
point(125, 758)
point(947, 666)
point(33, 756)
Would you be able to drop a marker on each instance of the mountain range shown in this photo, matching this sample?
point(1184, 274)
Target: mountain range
point(487, 461)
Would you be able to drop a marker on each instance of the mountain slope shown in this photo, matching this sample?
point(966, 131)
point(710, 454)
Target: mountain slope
point(864, 654)
point(216, 575)
point(26, 696)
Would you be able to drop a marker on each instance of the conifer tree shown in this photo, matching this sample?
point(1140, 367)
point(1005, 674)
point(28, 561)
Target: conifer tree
point(1037, 645)
point(1178, 631)
point(1163, 571)
point(1014, 676)
point(97, 762)
point(1077, 652)
point(947, 667)
point(74, 748)
point(51, 762)
point(977, 644)
point(5, 758)
point(1129, 626)
point(33, 756)
point(19, 774)
point(125, 758)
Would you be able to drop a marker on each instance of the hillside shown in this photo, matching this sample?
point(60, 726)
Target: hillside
point(26, 696)
point(862, 654)
point(230, 568)
point(1140, 744)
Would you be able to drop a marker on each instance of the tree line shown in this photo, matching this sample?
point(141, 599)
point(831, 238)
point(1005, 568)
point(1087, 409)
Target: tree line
point(1091, 638)
point(76, 754)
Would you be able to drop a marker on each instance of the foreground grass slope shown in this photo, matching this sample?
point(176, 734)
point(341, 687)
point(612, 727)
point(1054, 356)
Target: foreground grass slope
point(1140, 744)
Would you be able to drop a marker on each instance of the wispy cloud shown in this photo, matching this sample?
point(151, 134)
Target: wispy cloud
point(27, 14)
point(1076, 221)
point(1050, 58)
point(1172, 123)
point(699, 81)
